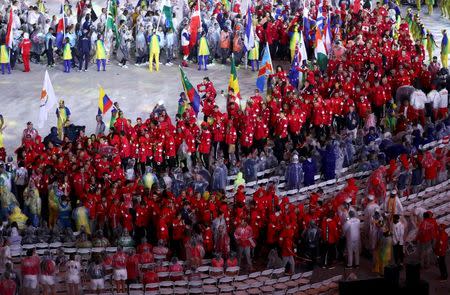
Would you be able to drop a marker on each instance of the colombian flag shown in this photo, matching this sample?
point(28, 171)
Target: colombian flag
point(104, 103)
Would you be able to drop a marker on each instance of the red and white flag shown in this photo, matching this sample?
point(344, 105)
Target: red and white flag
point(9, 31)
point(194, 25)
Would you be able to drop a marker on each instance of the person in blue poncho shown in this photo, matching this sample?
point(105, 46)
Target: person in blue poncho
point(328, 162)
point(309, 171)
point(294, 174)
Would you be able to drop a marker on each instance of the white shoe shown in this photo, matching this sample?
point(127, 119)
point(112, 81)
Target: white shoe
point(119, 64)
point(170, 63)
point(124, 67)
point(146, 63)
point(85, 70)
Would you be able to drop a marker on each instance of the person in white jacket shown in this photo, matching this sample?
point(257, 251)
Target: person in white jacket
point(398, 239)
point(418, 100)
point(441, 108)
point(351, 229)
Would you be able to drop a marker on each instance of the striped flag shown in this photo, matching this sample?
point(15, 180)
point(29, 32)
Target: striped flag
point(60, 29)
point(320, 52)
point(9, 31)
point(104, 103)
point(190, 91)
point(265, 69)
point(194, 25)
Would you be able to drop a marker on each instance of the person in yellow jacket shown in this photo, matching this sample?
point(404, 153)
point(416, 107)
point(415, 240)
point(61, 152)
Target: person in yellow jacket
point(63, 116)
point(67, 56)
point(18, 217)
point(295, 39)
point(445, 5)
point(203, 52)
point(419, 5)
point(4, 59)
point(154, 51)
point(81, 217)
point(253, 55)
point(100, 54)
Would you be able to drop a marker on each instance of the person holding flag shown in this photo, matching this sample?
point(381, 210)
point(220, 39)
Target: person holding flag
point(203, 52)
point(253, 55)
point(100, 53)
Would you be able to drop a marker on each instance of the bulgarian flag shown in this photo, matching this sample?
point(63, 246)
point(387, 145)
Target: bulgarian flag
point(194, 25)
point(320, 52)
point(9, 32)
point(234, 83)
point(190, 91)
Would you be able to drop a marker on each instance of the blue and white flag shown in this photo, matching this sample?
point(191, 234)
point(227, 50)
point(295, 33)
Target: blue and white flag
point(249, 37)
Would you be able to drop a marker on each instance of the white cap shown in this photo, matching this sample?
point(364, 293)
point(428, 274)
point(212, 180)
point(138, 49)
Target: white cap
point(26, 35)
point(371, 197)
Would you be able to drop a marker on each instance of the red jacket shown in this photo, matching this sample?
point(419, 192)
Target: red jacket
point(441, 243)
point(205, 142)
point(330, 232)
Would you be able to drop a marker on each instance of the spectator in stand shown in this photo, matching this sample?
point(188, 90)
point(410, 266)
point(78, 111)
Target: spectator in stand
point(7, 285)
point(48, 272)
point(96, 272)
point(119, 263)
point(73, 268)
point(30, 272)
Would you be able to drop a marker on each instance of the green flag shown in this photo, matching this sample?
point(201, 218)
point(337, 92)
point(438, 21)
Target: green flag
point(111, 25)
point(168, 13)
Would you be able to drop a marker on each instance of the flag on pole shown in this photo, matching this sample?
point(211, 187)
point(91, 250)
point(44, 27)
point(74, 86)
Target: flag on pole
point(194, 25)
point(234, 83)
point(265, 69)
point(327, 34)
point(190, 91)
point(48, 100)
point(168, 14)
point(320, 52)
point(111, 27)
point(294, 71)
point(306, 22)
point(249, 37)
point(9, 31)
point(320, 18)
point(104, 103)
point(60, 29)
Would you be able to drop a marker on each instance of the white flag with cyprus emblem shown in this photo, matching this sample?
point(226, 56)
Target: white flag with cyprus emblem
point(47, 100)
